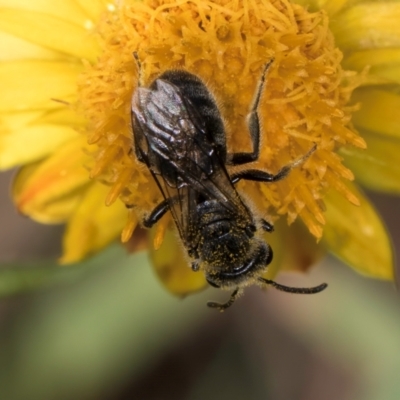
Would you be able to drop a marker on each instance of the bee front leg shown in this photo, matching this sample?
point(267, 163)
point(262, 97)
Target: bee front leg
point(266, 226)
point(222, 307)
point(156, 214)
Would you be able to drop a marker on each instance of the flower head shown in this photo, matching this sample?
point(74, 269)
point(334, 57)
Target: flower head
point(306, 101)
point(227, 45)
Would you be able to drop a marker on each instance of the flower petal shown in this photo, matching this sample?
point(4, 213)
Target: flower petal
point(356, 235)
point(172, 265)
point(368, 25)
point(332, 7)
point(32, 143)
point(384, 63)
point(304, 249)
point(13, 48)
point(50, 32)
point(378, 166)
point(51, 212)
point(49, 191)
point(379, 111)
point(94, 8)
point(93, 225)
point(18, 120)
point(67, 10)
point(62, 116)
point(31, 85)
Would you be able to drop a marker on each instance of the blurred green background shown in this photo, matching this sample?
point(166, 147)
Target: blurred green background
point(107, 330)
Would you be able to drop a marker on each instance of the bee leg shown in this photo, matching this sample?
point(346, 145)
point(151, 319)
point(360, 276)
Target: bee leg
point(267, 226)
point(222, 307)
point(253, 125)
point(195, 266)
point(156, 214)
point(264, 176)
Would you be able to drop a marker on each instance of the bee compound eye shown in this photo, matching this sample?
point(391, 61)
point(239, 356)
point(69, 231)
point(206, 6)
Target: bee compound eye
point(270, 256)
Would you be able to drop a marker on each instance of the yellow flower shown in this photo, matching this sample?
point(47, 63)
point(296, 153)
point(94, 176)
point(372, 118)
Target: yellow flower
point(68, 75)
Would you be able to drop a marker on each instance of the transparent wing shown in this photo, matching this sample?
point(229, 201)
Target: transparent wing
point(172, 140)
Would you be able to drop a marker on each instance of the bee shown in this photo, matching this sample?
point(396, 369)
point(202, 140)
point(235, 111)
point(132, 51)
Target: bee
point(180, 135)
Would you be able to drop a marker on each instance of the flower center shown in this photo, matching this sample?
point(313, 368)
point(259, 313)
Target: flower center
point(227, 43)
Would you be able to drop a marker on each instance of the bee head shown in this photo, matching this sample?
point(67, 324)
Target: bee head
point(239, 271)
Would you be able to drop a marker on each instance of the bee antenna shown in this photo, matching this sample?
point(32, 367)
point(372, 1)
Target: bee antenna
point(296, 290)
point(222, 307)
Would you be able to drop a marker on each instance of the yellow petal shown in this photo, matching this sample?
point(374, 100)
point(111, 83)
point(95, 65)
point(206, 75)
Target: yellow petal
point(67, 10)
point(52, 212)
point(62, 116)
point(300, 250)
point(332, 7)
point(27, 85)
point(379, 111)
point(32, 143)
point(356, 235)
point(384, 63)
point(94, 8)
point(50, 32)
point(367, 26)
point(13, 48)
point(17, 120)
point(378, 166)
point(172, 266)
point(93, 225)
point(48, 191)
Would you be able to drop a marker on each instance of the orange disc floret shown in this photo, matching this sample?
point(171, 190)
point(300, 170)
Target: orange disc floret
point(227, 43)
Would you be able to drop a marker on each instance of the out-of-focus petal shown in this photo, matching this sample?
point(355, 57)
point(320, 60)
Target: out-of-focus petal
point(18, 120)
point(62, 116)
point(50, 32)
point(32, 143)
point(300, 250)
point(379, 111)
point(68, 10)
point(32, 85)
point(14, 48)
point(367, 26)
point(357, 236)
point(48, 191)
point(172, 266)
point(384, 63)
point(51, 212)
point(48, 128)
point(93, 225)
point(94, 8)
point(378, 166)
point(332, 7)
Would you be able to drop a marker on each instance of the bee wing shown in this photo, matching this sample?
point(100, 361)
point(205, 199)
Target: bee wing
point(195, 189)
point(178, 198)
point(171, 138)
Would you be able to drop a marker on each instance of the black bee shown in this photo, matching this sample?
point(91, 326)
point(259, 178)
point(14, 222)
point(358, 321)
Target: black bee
point(179, 134)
